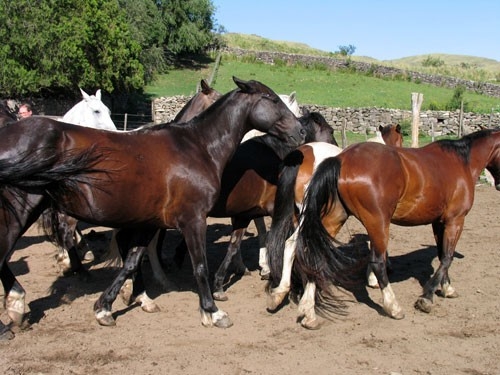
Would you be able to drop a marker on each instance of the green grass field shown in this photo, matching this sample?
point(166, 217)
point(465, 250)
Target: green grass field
point(316, 86)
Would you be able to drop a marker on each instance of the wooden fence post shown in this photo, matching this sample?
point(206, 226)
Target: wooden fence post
point(416, 104)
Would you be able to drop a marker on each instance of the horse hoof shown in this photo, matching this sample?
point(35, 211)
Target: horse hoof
point(6, 335)
point(424, 305)
point(126, 292)
point(150, 308)
point(274, 300)
point(223, 322)
point(89, 256)
point(398, 316)
point(105, 318)
point(265, 276)
point(220, 296)
point(311, 324)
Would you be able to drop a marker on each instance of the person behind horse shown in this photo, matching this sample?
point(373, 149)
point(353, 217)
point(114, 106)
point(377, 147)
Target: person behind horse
point(24, 111)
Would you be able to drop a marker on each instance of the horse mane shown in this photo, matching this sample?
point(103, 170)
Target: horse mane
point(463, 145)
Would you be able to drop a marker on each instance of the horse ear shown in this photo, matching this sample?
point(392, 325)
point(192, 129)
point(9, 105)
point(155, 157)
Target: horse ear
point(84, 94)
point(380, 128)
point(205, 87)
point(243, 85)
point(398, 128)
point(98, 94)
point(292, 96)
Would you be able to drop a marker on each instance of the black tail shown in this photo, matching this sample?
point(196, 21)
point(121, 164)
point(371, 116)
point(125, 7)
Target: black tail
point(46, 167)
point(317, 258)
point(282, 225)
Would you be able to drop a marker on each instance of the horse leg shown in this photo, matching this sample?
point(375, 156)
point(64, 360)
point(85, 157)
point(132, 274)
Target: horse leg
point(68, 260)
point(138, 241)
point(133, 289)
point(196, 236)
point(260, 224)
point(14, 301)
point(307, 314)
point(446, 236)
point(25, 210)
point(379, 237)
point(232, 252)
point(154, 254)
point(278, 294)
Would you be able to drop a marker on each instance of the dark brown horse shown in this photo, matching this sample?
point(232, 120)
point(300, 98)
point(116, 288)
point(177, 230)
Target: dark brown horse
point(299, 167)
point(248, 188)
point(382, 185)
point(66, 234)
point(163, 177)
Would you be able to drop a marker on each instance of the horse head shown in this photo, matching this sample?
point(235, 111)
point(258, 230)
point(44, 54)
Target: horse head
point(90, 112)
point(291, 102)
point(270, 114)
point(493, 165)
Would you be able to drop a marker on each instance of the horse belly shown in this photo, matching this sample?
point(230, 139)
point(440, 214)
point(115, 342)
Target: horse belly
point(251, 194)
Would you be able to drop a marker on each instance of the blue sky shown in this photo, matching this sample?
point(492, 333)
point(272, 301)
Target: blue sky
point(382, 29)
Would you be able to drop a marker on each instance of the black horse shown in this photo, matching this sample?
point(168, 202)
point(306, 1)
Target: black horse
point(163, 177)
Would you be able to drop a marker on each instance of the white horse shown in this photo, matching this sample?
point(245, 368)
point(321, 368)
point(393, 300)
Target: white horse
point(90, 112)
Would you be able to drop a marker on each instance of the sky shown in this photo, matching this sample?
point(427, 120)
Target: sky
point(381, 29)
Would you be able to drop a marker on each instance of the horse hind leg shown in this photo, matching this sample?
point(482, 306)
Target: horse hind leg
point(378, 265)
point(14, 300)
point(278, 294)
point(446, 237)
point(306, 308)
point(260, 224)
point(233, 255)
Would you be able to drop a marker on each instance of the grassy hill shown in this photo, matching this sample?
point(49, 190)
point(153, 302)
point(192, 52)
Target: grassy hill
point(327, 87)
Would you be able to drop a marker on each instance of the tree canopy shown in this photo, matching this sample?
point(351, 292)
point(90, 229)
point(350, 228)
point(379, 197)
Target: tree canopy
point(55, 46)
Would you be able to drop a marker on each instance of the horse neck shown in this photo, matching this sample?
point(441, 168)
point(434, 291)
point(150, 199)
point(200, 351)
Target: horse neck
point(221, 127)
point(482, 151)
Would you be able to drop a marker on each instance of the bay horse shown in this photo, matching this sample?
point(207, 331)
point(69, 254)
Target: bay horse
point(162, 177)
point(248, 189)
point(433, 185)
point(298, 169)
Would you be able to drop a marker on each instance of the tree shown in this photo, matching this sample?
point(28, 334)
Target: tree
point(189, 24)
point(56, 46)
point(347, 50)
point(147, 28)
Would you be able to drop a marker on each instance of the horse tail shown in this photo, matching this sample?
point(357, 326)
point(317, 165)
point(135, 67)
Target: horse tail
point(46, 169)
point(282, 225)
point(318, 259)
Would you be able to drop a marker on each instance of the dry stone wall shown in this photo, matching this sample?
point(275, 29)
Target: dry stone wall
point(362, 120)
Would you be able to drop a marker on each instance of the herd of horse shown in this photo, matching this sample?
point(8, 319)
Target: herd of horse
point(176, 175)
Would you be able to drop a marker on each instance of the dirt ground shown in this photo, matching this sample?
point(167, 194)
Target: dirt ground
point(460, 336)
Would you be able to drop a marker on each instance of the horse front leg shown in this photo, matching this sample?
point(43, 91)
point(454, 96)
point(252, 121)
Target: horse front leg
point(446, 236)
point(195, 235)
